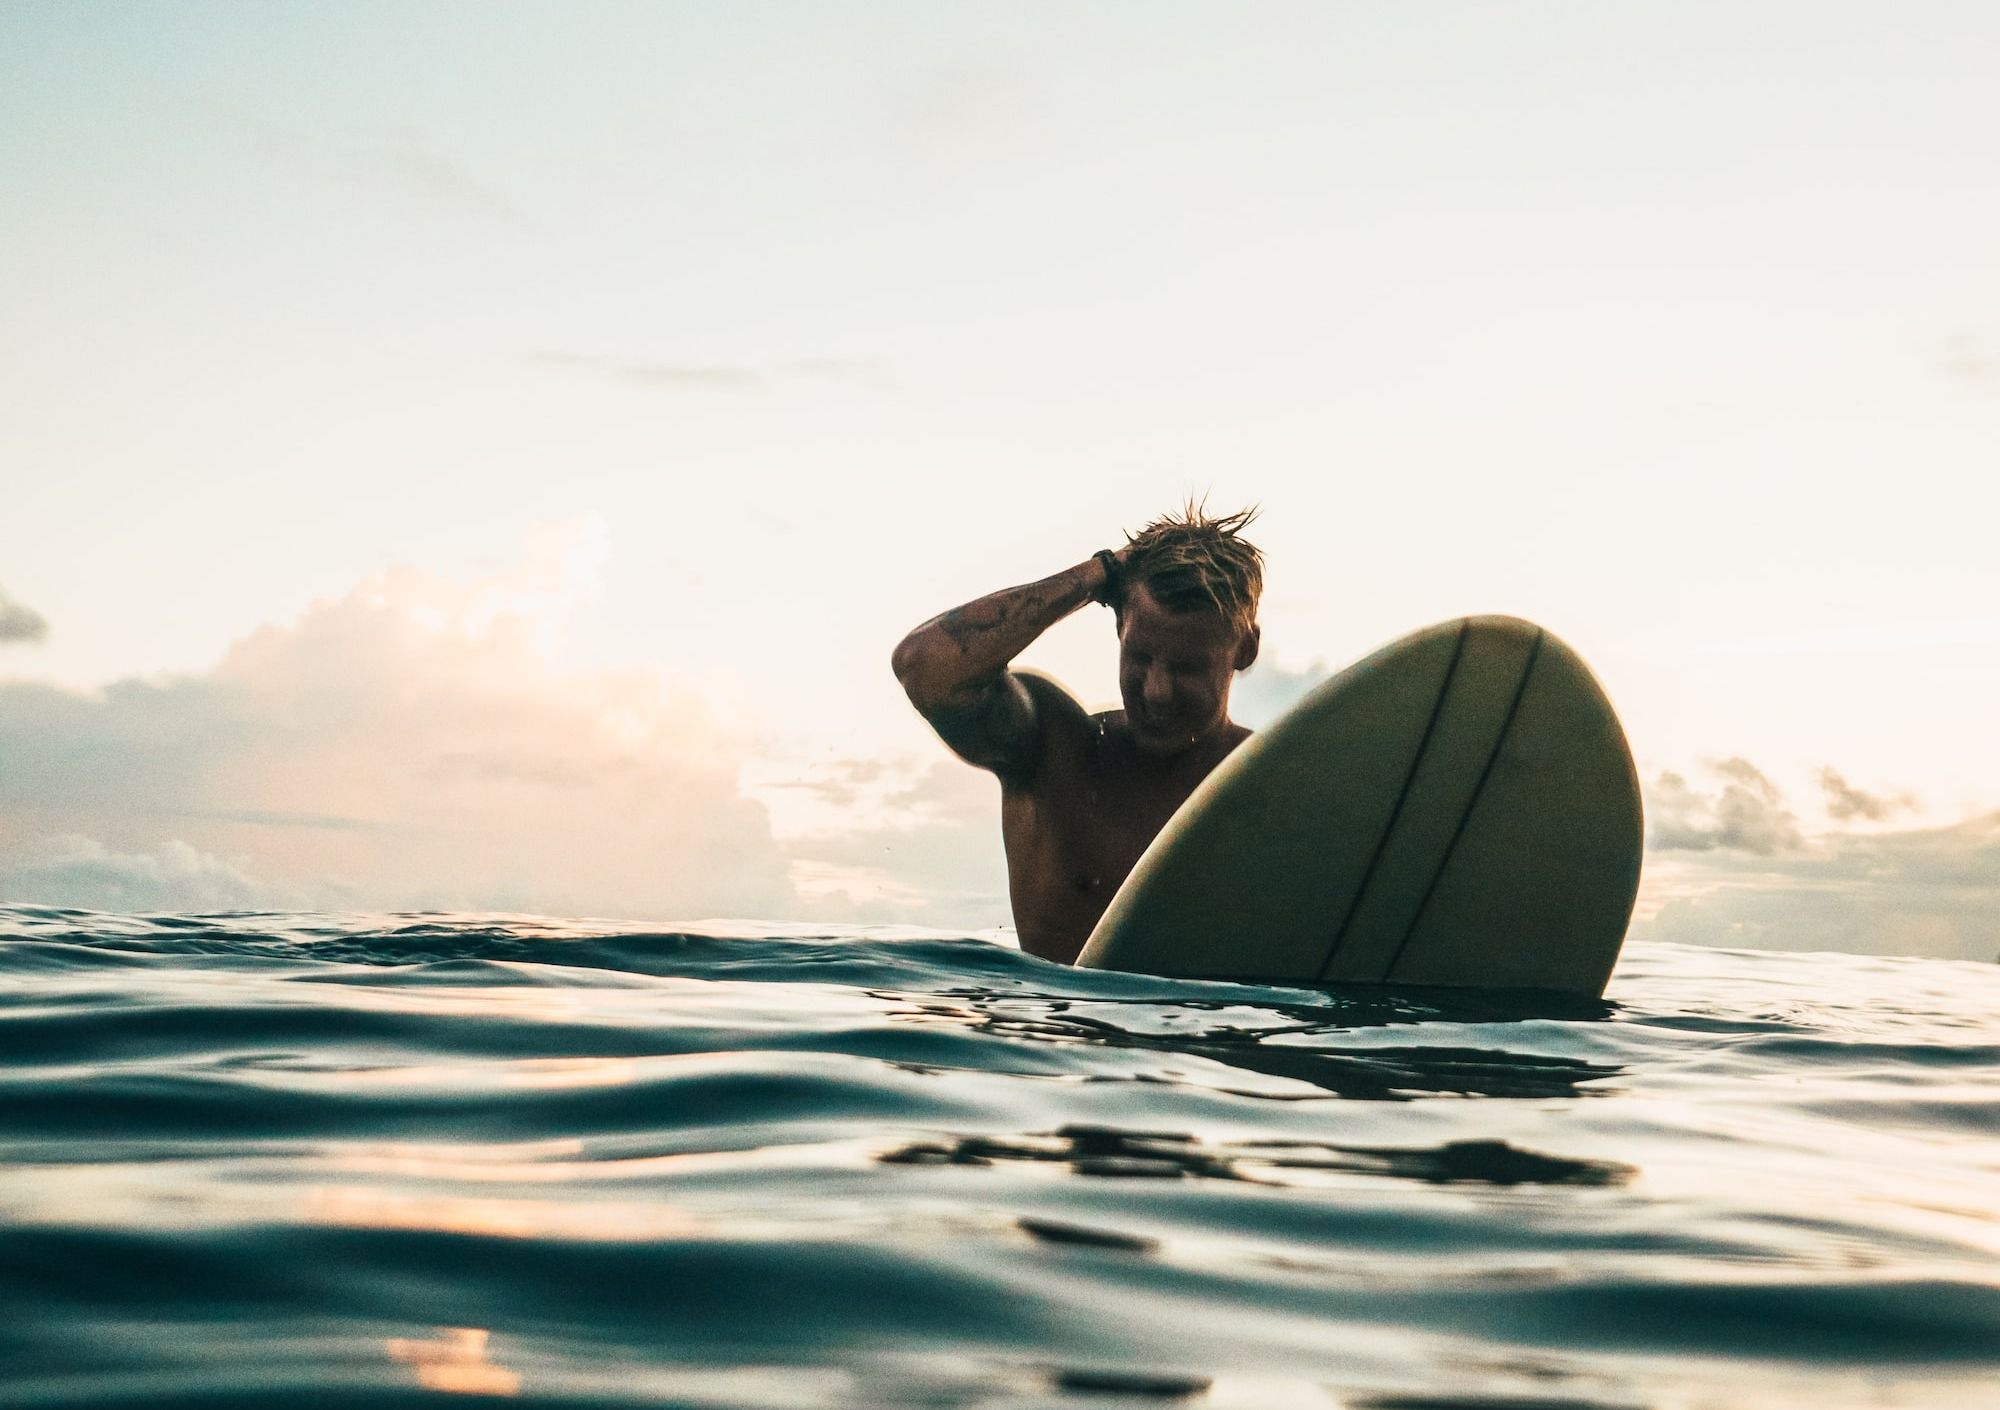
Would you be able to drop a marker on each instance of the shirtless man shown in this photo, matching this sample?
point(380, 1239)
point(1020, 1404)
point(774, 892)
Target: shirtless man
point(1082, 795)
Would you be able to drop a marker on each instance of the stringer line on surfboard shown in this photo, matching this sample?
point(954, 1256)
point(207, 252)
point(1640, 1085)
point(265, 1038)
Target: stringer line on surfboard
point(1472, 804)
point(1396, 813)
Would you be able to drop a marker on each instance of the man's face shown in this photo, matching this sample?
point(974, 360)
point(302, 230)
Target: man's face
point(1174, 671)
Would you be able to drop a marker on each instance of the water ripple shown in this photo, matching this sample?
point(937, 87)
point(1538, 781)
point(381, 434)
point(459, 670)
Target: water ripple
point(364, 1160)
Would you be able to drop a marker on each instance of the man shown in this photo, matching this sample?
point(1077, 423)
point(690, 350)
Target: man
point(1082, 795)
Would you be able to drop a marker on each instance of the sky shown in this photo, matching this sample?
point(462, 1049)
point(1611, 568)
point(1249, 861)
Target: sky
point(481, 456)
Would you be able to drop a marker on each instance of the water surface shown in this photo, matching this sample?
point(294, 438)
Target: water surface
point(425, 1160)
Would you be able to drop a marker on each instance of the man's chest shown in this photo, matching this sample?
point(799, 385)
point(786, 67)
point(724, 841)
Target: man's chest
point(1095, 823)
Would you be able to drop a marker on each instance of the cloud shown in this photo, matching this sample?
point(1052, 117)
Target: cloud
point(1931, 891)
point(1265, 691)
point(921, 844)
point(918, 846)
point(1845, 803)
point(20, 623)
point(1747, 814)
point(1731, 865)
point(73, 870)
point(838, 783)
point(407, 746)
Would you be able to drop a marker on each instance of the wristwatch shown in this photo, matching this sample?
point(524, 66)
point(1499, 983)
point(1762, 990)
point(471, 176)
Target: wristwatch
point(1114, 587)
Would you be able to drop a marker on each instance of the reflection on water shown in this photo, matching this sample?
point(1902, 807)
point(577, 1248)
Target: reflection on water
point(1129, 1383)
point(556, 1218)
point(1308, 1044)
point(247, 1161)
point(455, 1360)
point(1087, 1150)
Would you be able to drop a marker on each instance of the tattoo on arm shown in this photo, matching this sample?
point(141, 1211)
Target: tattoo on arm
point(961, 623)
point(965, 625)
point(955, 669)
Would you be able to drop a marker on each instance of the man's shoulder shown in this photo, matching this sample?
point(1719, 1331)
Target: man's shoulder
point(1108, 732)
point(1053, 702)
point(1068, 737)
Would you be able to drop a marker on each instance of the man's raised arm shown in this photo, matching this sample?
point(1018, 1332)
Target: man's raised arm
point(954, 667)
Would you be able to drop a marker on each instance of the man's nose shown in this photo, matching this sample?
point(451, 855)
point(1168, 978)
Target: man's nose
point(1159, 686)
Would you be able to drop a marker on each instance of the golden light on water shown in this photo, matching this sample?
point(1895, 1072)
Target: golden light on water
point(512, 1074)
point(455, 1360)
point(501, 1218)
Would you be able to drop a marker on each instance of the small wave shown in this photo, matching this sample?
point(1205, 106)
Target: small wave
point(367, 1160)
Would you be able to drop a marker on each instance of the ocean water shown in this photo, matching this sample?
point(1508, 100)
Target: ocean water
point(310, 1160)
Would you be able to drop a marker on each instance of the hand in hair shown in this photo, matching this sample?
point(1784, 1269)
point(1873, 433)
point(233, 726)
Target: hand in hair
point(954, 667)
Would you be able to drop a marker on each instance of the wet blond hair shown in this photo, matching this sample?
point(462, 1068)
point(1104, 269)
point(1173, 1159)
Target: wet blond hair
point(1192, 563)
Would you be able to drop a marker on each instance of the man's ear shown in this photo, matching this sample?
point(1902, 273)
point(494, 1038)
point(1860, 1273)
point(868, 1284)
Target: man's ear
point(1246, 650)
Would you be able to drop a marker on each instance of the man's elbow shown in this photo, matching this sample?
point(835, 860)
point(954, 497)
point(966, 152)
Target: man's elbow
point(915, 669)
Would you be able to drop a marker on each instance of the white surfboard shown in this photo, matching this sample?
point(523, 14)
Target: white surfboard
point(1459, 808)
